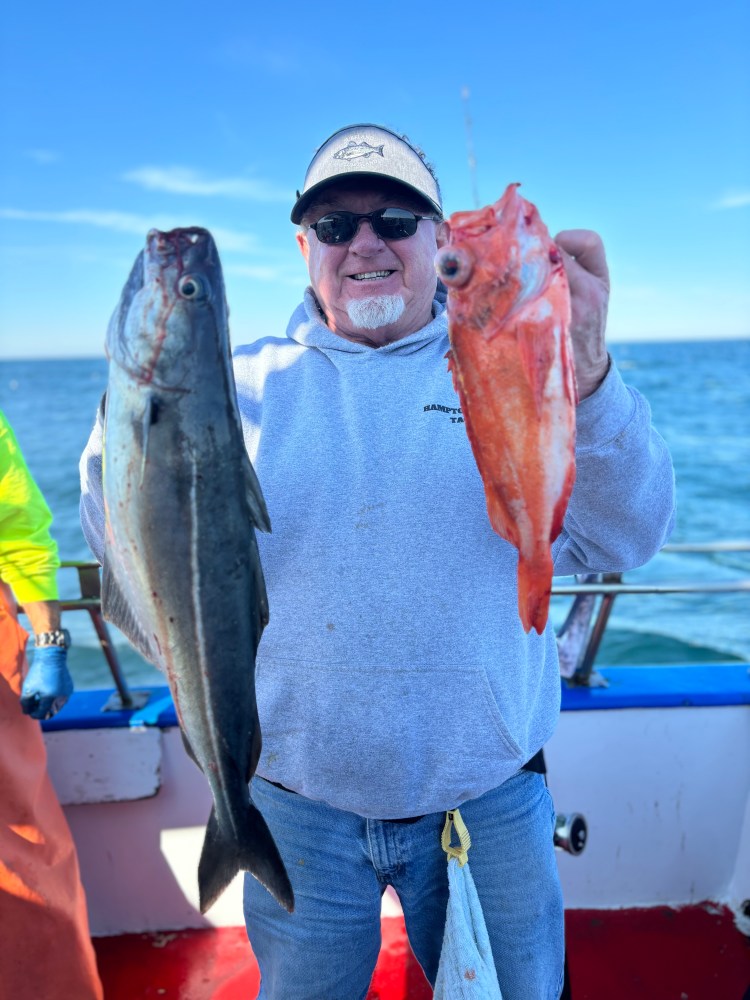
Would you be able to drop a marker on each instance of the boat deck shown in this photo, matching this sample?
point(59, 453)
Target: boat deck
point(692, 953)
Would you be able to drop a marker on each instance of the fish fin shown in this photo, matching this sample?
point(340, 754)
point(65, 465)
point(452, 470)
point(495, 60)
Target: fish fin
point(558, 515)
point(255, 499)
point(256, 853)
point(260, 519)
point(474, 439)
point(503, 523)
point(450, 357)
point(536, 348)
point(573, 635)
point(150, 416)
point(117, 611)
point(579, 612)
point(188, 748)
point(534, 588)
point(569, 366)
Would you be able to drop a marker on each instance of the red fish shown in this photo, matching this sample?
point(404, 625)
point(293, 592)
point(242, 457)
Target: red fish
point(512, 364)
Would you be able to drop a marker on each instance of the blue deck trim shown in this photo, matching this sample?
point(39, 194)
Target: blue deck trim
point(703, 685)
point(700, 686)
point(85, 710)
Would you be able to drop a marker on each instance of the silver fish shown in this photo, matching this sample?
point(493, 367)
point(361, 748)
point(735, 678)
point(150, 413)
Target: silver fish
point(354, 149)
point(574, 632)
point(182, 577)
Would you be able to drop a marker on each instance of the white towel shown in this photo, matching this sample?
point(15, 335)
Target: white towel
point(466, 970)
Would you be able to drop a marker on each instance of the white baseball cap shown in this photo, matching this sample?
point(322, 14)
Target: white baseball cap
point(367, 150)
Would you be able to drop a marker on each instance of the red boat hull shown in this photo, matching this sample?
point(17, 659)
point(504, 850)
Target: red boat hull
point(658, 953)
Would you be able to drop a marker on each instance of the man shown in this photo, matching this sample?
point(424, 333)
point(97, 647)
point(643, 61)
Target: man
point(45, 948)
point(394, 679)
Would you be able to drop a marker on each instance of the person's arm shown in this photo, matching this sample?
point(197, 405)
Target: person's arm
point(44, 616)
point(622, 507)
point(28, 564)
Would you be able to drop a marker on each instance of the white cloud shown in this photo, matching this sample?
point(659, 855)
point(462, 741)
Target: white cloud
point(42, 156)
point(125, 222)
point(265, 273)
point(183, 180)
point(733, 199)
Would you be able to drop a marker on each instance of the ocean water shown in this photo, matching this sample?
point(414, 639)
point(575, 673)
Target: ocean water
point(699, 394)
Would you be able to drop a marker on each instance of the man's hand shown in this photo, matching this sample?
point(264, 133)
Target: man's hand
point(48, 684)
point(588, 277)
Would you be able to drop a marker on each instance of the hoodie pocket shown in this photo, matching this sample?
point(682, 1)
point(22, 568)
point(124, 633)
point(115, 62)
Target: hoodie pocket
point(380, 741)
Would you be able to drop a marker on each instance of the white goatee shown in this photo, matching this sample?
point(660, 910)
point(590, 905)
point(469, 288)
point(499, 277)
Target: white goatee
point(376, 311)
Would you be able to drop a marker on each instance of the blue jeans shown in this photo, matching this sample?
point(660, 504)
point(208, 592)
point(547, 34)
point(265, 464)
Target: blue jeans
point(340, 865)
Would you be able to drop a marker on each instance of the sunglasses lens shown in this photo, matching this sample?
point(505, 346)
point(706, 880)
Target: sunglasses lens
point(394, 223)
point(388, 223)
point(338, 227)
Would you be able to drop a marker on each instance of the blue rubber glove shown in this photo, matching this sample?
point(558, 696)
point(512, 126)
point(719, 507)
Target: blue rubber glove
point(48, 684)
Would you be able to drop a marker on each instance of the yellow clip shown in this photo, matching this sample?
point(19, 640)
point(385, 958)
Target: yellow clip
point(453, 821)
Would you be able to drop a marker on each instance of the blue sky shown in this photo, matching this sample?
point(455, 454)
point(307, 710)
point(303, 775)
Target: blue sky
point(629, 119)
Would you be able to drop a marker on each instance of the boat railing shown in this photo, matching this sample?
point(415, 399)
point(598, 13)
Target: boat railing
point(607, 586)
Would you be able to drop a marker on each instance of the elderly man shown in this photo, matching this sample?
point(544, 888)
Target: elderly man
point(395, 680)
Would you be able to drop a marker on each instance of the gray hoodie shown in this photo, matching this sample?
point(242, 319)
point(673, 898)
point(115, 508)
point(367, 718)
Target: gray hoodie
point(394, 678)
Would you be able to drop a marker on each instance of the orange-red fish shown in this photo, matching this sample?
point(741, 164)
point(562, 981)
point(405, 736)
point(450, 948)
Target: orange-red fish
point(512, 364)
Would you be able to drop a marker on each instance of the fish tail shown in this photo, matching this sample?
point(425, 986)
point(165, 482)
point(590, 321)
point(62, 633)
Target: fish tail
point(255, 851)
point(534, 588)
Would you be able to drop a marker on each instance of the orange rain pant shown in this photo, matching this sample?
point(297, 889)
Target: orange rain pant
point(45, 947)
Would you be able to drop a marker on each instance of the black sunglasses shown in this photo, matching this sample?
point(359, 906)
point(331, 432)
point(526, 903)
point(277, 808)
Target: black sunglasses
point(387, 223)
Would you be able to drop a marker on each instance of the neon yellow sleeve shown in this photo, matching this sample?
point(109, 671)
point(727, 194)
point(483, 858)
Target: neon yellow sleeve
point(28, 553)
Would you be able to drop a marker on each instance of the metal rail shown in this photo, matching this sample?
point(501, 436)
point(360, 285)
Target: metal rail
point(611, 585)
point(616, 587)
point(608, 588)
point(727, 546)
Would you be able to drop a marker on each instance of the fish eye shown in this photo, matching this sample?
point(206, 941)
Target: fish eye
point(190, 287)
point(454, 266)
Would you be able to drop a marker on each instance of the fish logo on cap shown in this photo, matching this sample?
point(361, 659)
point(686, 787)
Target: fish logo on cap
point(354, 149)
point(361, 149)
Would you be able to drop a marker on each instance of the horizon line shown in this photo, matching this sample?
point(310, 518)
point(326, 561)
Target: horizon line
point(724, 338)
